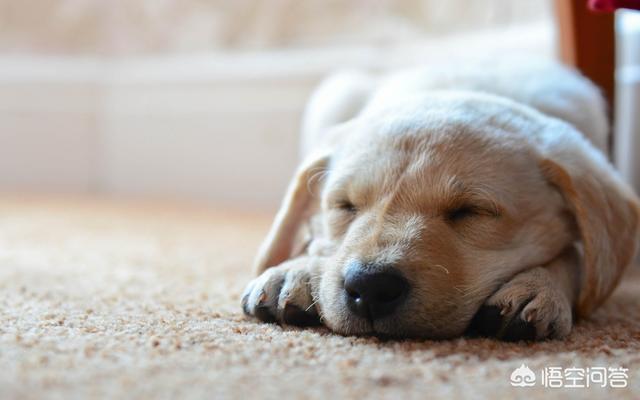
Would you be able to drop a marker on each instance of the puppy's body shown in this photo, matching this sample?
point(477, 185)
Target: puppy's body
point(440, 201)
point(546, 87)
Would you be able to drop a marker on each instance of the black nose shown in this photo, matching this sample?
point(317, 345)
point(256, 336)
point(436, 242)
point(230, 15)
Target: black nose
point(374, 293)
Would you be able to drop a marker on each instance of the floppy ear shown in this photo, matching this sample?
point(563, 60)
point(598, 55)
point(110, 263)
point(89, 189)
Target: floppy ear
point(605, 208)
point(298, 205)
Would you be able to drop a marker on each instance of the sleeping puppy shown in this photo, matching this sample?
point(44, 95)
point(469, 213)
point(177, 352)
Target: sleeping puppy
point(431, 203)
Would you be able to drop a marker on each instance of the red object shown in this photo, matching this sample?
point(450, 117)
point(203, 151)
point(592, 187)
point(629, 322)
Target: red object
point(612, 5)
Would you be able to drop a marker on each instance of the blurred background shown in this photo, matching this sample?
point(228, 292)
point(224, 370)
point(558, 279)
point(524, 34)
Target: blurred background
point(200, 100)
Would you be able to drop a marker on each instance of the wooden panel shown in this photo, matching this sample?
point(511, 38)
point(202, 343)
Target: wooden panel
point(587, 41)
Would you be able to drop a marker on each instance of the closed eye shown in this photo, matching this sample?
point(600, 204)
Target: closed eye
point(346, 205)
point(460, 213)
point(467, 211)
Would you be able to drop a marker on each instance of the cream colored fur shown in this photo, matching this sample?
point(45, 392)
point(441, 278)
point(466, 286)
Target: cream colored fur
point(388, 158)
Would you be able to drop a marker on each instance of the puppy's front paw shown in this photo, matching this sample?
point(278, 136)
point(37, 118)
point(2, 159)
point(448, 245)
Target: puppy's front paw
point(282, 294)
point(531, 306)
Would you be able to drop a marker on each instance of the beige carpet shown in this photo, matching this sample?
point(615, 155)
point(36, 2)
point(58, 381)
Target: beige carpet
point(120, 301)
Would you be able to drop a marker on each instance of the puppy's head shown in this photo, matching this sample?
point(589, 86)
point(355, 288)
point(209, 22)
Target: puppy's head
point(430, 205)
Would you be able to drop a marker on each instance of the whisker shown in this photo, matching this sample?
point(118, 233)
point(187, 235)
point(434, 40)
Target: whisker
point(312, 304)
point(442, 267)
point(318, 175)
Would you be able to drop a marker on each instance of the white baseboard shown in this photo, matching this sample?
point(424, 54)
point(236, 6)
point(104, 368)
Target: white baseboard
point(225, 138)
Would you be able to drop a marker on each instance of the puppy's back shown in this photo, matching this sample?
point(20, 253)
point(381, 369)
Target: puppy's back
point(337, 99)
point(547, 86)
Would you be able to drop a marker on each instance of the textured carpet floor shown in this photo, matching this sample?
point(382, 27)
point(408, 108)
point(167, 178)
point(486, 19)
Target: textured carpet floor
point(138, 301)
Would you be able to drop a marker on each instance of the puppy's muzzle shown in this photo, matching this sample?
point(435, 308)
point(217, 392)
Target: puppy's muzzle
point(374, 292)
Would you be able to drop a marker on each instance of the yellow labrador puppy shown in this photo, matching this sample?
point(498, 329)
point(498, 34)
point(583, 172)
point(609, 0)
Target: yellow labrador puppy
point(434, 202)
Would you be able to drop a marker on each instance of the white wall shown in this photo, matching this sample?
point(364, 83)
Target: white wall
point(114, 129)
point(48, 127)
point(220, 128)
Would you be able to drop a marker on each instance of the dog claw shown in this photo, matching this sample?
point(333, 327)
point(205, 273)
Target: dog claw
point(529, 307)
point(282, 294)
